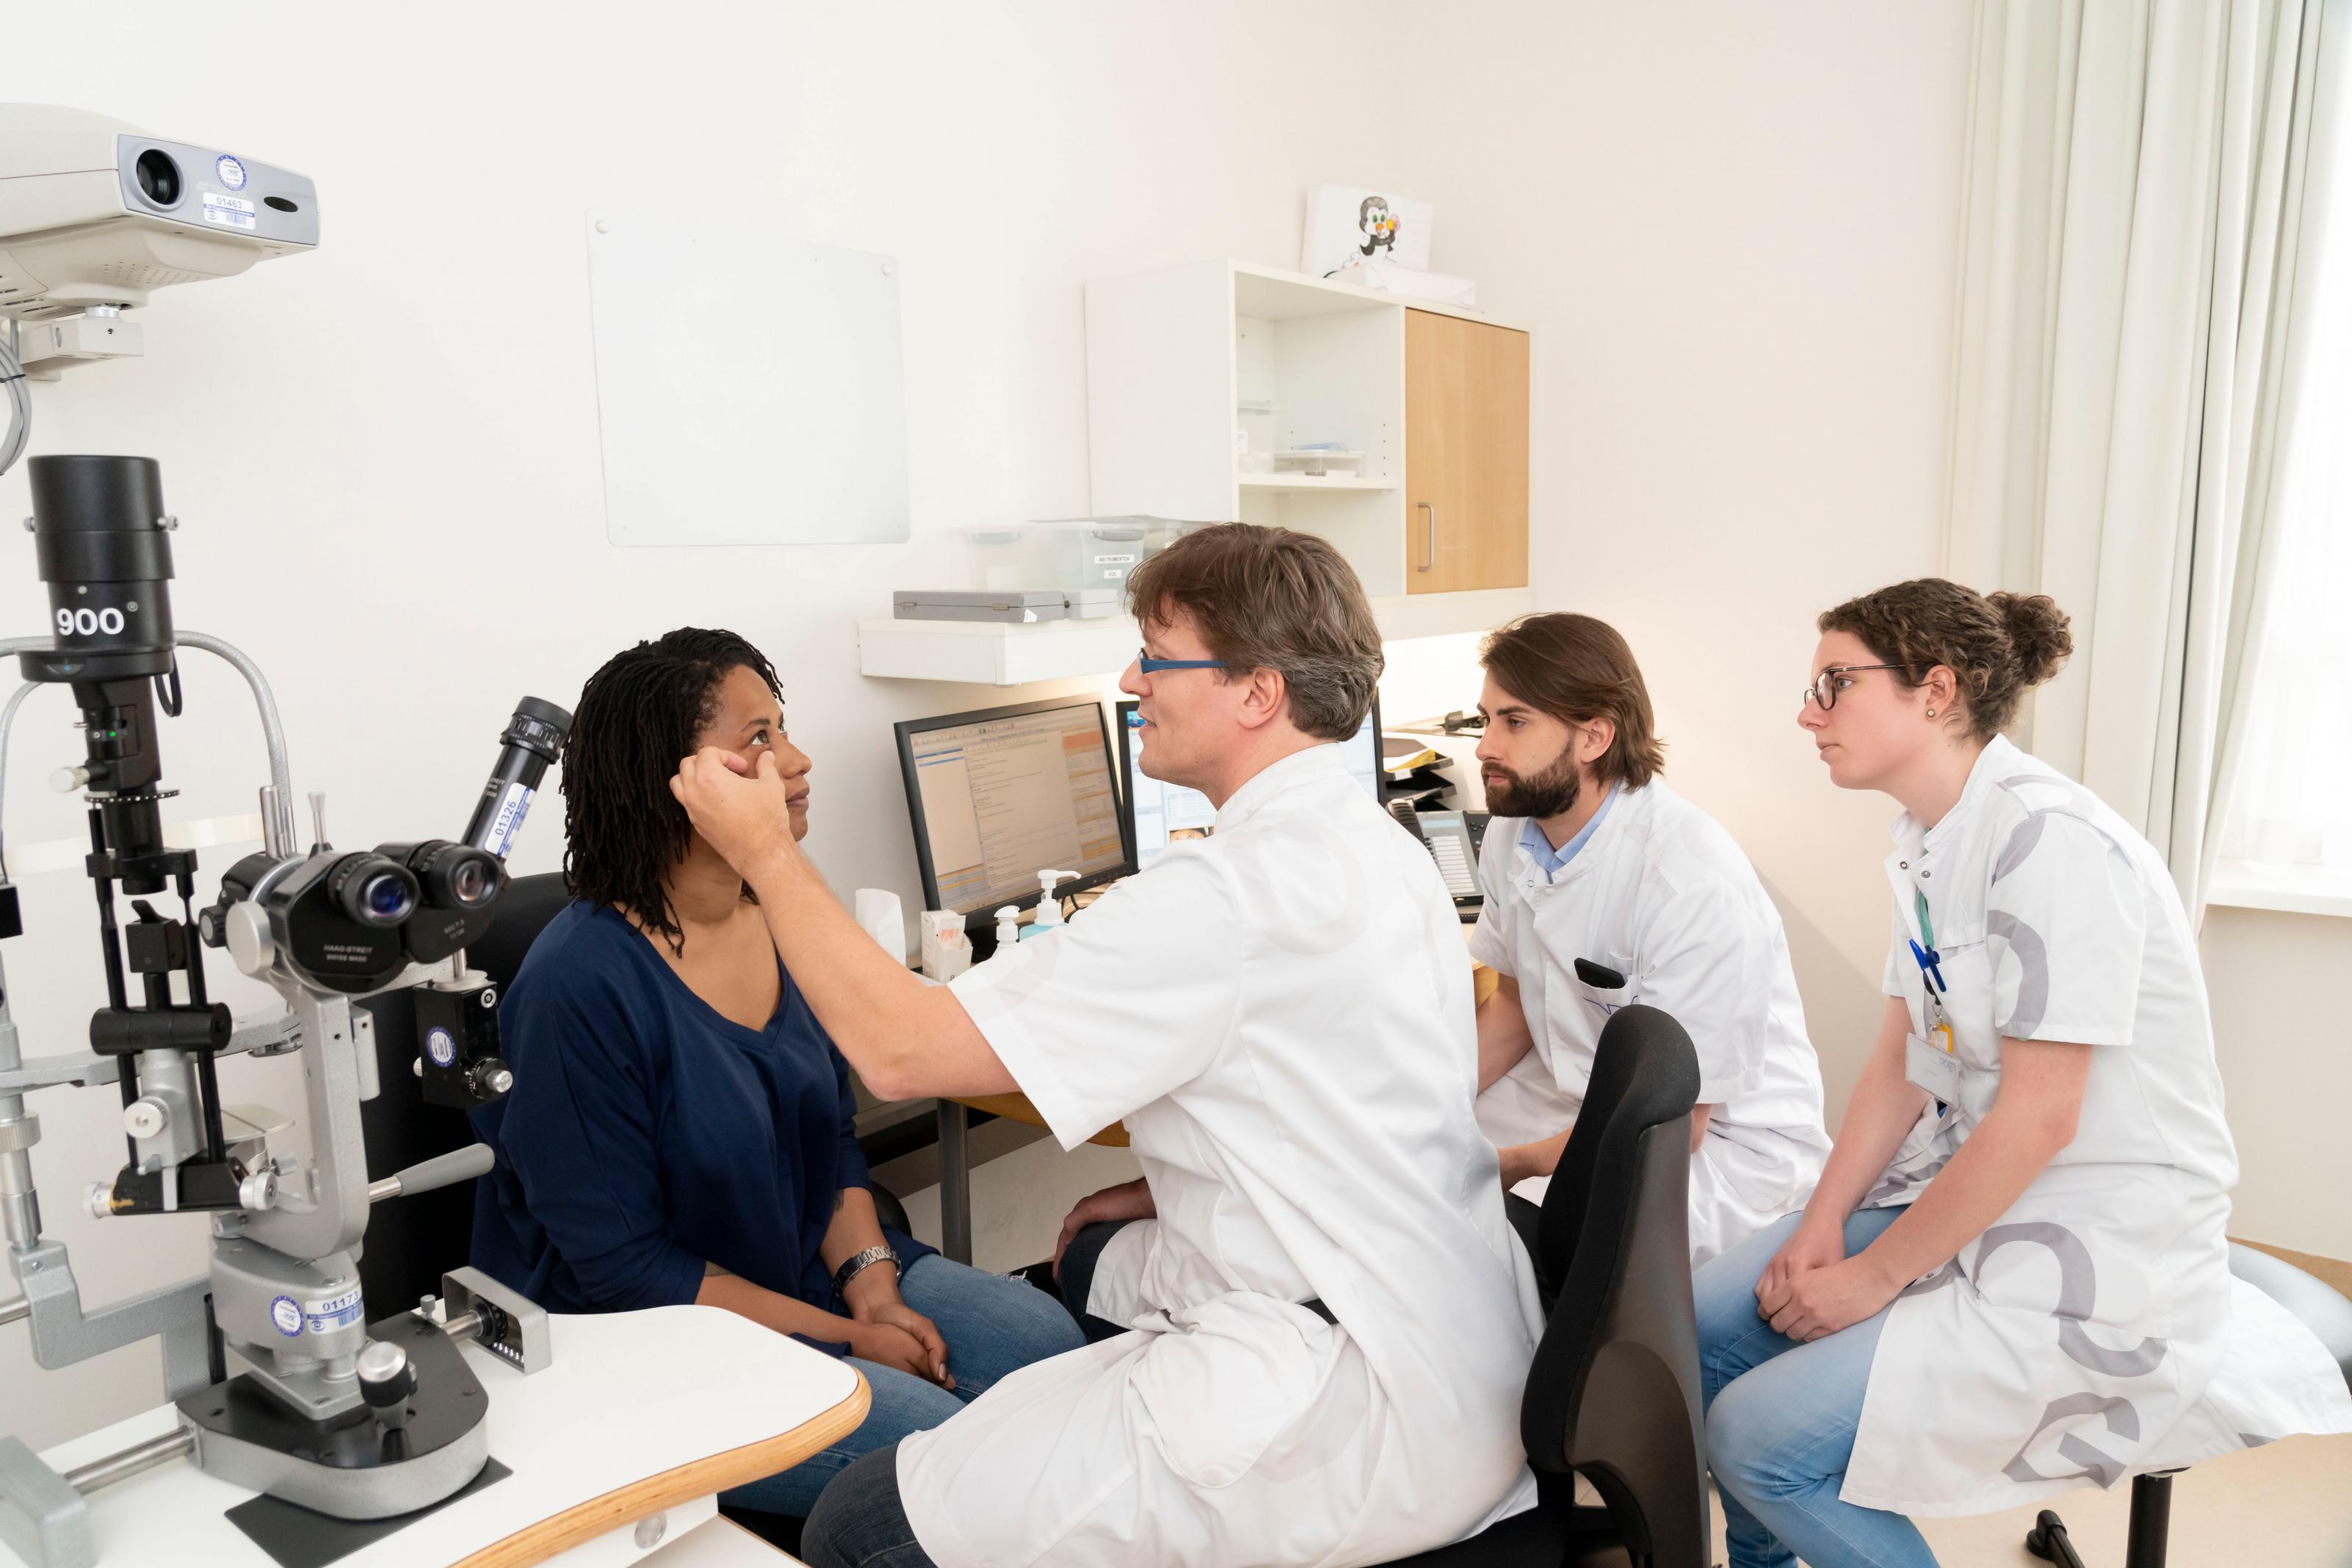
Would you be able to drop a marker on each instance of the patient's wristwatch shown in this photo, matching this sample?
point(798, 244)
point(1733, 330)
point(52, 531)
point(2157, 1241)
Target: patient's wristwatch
point(863, 1261)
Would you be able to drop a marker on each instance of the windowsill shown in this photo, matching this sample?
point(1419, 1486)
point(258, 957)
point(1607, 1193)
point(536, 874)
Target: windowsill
point(2294, 891)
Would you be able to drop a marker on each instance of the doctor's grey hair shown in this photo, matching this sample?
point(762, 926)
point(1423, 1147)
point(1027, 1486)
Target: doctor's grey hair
point(1269, 598)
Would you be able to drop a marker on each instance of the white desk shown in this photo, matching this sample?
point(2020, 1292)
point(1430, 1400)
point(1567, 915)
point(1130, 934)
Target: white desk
point(637, 1414)
point(721, 1543)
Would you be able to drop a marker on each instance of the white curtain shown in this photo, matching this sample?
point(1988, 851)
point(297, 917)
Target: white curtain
point(2131, 236)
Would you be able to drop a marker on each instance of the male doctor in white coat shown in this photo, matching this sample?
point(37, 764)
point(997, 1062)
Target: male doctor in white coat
point(1329, 1322)
point(1605, 888)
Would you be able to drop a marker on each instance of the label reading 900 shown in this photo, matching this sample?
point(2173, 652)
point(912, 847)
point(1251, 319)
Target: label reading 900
point(89, 622)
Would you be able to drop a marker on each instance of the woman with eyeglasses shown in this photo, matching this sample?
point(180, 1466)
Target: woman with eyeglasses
point(2013, 1278)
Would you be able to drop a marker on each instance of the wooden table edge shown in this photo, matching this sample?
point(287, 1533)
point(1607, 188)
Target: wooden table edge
point(1018, 1107)
point(639, 1500)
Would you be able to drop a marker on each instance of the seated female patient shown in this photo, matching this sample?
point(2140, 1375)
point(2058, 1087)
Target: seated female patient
point(680, 1128)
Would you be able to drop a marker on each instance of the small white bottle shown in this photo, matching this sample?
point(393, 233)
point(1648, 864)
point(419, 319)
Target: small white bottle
point(1008, 925)
point(1049, 907)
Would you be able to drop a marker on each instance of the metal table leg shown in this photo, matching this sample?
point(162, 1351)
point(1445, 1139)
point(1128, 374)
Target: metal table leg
point(955, 1184)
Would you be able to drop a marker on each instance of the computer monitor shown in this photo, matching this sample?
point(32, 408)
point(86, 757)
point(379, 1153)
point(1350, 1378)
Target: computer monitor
point(1000, 795)
point(1153, 813)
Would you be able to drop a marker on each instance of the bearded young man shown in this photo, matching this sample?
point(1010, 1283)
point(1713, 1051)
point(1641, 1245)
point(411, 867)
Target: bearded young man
point(1605, 888)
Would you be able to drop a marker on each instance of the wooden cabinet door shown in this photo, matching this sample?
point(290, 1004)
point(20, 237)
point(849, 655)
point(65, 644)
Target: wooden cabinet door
point(1466, 454)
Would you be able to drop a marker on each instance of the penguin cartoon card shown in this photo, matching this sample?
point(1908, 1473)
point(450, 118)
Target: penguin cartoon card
point(1355, 224)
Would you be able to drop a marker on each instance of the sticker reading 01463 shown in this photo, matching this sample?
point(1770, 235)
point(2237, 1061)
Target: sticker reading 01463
point(324, 1314)
point(228, 211)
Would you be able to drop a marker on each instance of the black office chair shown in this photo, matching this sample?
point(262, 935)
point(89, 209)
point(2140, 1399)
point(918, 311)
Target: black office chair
point(412, 1241)
point(2322, 1310)
point(1612, 1395)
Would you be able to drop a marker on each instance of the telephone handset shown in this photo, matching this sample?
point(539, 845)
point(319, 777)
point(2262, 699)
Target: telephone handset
point(1452, 838)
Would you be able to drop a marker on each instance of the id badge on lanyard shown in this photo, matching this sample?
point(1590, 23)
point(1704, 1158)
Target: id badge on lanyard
point(1931, 1063)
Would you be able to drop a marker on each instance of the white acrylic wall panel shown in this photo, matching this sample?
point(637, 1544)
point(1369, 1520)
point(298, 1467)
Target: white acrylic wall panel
point(1159, 393)
point(750, 386)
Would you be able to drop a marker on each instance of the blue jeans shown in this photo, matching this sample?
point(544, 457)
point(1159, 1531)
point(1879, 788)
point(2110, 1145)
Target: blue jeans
point(1780, 1418)
point(994, 1327)
point(862, 1521)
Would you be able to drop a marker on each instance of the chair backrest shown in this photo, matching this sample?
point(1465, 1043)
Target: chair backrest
point(412, 1241)
point(1613, 1390)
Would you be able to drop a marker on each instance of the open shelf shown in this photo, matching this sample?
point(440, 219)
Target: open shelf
point(1279, 483)
point(999, 654)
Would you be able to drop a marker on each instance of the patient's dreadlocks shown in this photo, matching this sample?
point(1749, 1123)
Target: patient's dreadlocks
point(623, 831)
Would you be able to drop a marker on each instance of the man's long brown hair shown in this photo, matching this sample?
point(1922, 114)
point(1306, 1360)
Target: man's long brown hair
point(1578, 669)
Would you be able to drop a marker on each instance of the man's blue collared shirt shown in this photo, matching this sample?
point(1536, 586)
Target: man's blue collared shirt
point(1553, 861)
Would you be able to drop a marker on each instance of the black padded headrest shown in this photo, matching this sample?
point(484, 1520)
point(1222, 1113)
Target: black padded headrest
point(522, 912)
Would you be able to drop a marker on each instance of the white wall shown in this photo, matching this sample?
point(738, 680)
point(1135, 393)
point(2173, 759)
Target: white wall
point(1731, 228)
point(2276, 983)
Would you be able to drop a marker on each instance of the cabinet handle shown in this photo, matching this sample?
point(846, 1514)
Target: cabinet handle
point(1429, 539)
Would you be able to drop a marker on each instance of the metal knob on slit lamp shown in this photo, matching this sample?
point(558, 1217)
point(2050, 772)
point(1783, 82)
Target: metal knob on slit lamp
point(387, 1381)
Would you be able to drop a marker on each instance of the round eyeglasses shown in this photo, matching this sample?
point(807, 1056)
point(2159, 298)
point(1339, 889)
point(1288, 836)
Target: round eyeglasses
point(1824, 689)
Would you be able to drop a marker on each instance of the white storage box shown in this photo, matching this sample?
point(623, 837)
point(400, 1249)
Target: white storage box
point(1083, 553)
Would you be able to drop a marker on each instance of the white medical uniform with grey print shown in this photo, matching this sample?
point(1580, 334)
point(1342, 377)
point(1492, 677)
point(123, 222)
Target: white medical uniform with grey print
point(1664, 896)
point(1281, 1013)
point(2094, 1330)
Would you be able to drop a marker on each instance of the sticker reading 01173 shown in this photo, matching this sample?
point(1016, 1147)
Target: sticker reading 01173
point(323, 1314)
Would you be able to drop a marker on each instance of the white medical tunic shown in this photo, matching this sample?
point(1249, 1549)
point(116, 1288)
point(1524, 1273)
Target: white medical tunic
point(1662, 896)
point(2094, 1330)
point(1282, 1016)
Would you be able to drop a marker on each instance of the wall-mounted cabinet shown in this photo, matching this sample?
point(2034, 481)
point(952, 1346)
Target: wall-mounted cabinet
point(1466, 456)
point(1200, 378)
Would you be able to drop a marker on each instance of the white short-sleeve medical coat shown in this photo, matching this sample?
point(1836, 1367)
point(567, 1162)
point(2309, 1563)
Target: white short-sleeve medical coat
point(2094, 1330)
point(1281, 1014)
point(1662, 896)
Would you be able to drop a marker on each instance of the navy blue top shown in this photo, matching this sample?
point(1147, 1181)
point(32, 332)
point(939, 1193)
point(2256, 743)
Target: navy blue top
point(647, 1136)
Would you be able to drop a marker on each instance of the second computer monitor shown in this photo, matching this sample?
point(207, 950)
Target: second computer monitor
point(1153, 815)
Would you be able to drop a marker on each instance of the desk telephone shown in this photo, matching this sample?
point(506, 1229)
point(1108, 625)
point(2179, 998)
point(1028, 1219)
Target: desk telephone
point(1454, 839)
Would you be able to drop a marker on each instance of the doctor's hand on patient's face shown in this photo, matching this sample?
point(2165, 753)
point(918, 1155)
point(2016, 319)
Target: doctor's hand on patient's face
point(742, 809)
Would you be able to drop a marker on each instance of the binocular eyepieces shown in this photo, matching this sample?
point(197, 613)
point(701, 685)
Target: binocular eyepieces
point(456, 876)
point(375, 889)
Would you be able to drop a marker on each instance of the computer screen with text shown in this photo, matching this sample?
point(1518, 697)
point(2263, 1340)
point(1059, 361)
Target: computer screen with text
point(999, 795)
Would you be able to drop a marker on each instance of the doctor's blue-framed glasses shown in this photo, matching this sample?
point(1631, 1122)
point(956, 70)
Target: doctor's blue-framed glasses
point(1151, 666)
point(1824, 687)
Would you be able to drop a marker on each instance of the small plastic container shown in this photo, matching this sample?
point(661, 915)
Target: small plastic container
point(1316, 461)
point(1072, 555)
